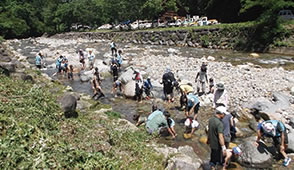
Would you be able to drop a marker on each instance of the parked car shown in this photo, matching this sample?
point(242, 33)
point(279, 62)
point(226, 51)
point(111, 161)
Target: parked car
point(286, 14)
point(141, 24)
point(212, 22)
point(105, 27)
point(202, 21)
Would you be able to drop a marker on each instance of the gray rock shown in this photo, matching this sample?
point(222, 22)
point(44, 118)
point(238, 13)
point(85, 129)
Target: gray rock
point(185, 159)
point(292, 91)
point(69, 104)
point(280, 102)
point(126, 76)
point(255, 157)
point(129, 89)
point(291, 140)
point(7, 67)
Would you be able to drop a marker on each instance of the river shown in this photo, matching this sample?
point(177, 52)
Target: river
point(128, 107)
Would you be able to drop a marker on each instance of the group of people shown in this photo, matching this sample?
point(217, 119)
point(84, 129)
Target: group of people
point(221, 127)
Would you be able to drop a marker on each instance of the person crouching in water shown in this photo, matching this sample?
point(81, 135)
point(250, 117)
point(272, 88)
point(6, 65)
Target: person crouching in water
point(170, 125)
point(116, 85)
point(192, 105)
point(190, 127)
point(96, 88)
point(185, 90)
point(231, 154)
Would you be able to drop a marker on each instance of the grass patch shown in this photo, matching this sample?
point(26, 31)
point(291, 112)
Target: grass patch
point(35, 135)
point(112, 114)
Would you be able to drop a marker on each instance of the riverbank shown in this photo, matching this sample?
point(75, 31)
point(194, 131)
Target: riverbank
point(226, 36)
point(244, 82)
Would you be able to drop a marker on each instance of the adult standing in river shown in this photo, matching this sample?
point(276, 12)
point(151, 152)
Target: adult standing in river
point(91, 59)
point(113, 48)
point(221, 97)
point(216, 138)
point(168, 80)
point(82, 58)
point(202, 76)
point(39, 60)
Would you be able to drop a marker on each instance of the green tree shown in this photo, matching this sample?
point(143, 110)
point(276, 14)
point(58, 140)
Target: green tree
point(269, 26)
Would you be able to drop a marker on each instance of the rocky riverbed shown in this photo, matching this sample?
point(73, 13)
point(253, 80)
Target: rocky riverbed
point(248, 84)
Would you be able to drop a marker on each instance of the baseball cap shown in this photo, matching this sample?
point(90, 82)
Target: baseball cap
point(237, 150)
point(221, 110)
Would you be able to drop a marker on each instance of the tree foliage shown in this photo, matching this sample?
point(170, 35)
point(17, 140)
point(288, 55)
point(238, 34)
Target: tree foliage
point(24, 18)
point(269, 25)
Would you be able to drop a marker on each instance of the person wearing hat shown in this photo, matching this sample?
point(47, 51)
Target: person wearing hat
point(185, 89)
point(230, 153)
point(202, 76)
point(215, 138)
point(277, 131)
point(220, 96)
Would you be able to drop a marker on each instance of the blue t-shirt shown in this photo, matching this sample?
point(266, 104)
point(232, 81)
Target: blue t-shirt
point(147, 84)
point(119, 59)
point(278, 127)
point(38, 60)
point(192, 100)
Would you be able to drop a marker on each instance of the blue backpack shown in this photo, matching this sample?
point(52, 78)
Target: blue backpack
point(272, 128)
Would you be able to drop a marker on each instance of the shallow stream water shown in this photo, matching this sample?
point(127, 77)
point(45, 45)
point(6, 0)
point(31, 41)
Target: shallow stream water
point(128, 107)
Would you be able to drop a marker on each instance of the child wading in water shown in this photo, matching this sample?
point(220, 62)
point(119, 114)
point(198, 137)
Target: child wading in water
point(70, 72)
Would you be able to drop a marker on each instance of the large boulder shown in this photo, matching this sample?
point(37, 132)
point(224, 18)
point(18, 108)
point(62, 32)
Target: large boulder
point(101, 66)
point(85, 76)
point(255, 157)
point(185, 159)
point(291, 140)
point(292, 91)
point(279, 102)
point(69, 104)
point(7, 68)
point(129, 89)
point(127, 76)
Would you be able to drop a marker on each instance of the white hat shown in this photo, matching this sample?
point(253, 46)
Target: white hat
point(222, 110)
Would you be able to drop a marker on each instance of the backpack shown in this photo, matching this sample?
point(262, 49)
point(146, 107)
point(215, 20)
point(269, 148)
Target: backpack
point(137, 76)
point(168, 78)
point(272, 128)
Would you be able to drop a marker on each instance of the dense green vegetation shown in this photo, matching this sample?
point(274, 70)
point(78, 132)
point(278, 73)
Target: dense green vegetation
point(24, 18)
point(35, 135)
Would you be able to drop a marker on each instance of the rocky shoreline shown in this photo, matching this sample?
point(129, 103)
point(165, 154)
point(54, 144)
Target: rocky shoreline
point(211, 38)
point(248, 85)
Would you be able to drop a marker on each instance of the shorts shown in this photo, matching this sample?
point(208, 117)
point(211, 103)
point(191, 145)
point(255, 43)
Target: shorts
point(277, 140)
point(196, 109)
point(216, 157)
point(82, 61)
point(39, 66)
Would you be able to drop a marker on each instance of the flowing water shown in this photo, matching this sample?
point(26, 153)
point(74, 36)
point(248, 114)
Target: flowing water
point(128, 107)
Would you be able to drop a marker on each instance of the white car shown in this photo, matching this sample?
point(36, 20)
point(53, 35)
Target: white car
point(105, 27)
